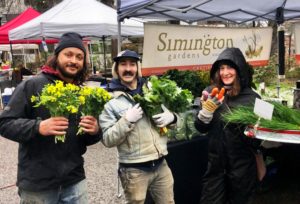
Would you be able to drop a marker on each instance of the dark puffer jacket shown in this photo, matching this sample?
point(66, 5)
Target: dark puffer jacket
point(42, 164)
point(231, 176)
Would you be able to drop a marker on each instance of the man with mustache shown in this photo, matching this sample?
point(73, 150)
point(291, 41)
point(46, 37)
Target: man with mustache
point(142, 166)
point(50, 172)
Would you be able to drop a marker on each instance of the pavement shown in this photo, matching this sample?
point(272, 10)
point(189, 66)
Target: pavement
point(100, 166)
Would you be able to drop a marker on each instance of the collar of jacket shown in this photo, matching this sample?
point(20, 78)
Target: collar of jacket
point(51, 71)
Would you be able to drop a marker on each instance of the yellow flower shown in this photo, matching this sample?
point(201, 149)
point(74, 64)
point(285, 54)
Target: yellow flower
point(82, 99)
point(33, 99)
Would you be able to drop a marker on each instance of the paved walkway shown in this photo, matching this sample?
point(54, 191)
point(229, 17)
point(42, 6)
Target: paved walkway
point(100, 165)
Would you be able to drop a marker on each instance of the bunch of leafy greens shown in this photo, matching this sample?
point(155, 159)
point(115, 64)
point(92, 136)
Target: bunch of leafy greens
point(283, 118)
point(163, 91)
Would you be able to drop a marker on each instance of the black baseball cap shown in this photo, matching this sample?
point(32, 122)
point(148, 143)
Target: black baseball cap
point(127, 54)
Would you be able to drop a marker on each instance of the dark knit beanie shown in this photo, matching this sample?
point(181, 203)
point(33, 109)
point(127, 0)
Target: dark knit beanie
point(70, 40)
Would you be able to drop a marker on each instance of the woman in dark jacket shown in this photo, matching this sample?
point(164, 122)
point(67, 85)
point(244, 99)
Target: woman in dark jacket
point(231, 175)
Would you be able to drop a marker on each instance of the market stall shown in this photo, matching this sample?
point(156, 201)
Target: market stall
point(215, 10)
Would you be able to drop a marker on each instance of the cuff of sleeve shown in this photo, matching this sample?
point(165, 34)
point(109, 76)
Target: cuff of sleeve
point(205, 117)
point(37, 126)
point(175, 119)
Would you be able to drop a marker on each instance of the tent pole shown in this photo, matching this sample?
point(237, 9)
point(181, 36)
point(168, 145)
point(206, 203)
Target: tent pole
point(119, 36)
point(12, 54)
point(281, 47)
point(119, 27)
point(91, 58)
point(104, 54)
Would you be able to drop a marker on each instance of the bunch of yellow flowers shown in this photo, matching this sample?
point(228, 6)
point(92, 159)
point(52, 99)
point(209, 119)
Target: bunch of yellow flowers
point(60, 99)
point(92, 101)
point(65, 99)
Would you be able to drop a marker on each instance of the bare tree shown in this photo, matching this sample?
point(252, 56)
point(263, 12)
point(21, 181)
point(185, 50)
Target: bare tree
point(43, 5)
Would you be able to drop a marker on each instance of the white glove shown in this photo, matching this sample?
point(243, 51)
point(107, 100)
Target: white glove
point(163, 119)
point(134, 113)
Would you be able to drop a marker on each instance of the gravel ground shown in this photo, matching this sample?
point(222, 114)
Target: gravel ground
point(100, 165)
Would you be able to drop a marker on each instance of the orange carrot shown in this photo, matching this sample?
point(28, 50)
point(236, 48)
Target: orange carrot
point(221, 93)
point(214, 92)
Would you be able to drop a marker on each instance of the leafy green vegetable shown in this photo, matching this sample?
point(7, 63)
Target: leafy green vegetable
point(163, 91)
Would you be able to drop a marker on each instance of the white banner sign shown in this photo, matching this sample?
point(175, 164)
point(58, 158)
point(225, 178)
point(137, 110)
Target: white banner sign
point(196, 48)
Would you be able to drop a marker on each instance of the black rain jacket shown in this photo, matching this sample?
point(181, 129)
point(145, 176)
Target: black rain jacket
point(231, 175)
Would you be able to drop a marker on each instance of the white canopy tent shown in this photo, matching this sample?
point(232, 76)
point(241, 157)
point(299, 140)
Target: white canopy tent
point(18, 47)
point(89, 18)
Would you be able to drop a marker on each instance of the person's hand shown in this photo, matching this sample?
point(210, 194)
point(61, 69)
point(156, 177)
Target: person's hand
point(209, 104)
point(134, 113)
point(165, 118)
point(89, 124)
point(54, 126)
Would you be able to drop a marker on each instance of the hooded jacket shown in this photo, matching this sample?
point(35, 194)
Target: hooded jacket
point(231, 154)
point(136, 142)
point(42, 164)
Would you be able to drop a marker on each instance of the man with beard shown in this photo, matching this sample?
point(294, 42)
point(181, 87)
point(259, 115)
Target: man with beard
point(50, 172)
point(141, 148)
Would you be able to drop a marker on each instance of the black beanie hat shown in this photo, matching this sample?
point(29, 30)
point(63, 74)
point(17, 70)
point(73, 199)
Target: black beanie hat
point(70, 39)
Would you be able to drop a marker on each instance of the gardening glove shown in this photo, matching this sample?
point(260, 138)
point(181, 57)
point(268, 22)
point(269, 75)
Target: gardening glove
point(134, 113)
point(208, 108)
point(204, 97)
point(165, 118)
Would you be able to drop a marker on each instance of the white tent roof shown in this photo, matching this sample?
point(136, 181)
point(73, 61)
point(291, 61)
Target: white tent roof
point(197, 10)
point(18, 47)
point(89, 18)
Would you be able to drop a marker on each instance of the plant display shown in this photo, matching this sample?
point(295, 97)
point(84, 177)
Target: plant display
point(283, 118)
point(195, 81)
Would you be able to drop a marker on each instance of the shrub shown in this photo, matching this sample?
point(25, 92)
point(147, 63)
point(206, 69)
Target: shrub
point(266, 73)
point(195, 81)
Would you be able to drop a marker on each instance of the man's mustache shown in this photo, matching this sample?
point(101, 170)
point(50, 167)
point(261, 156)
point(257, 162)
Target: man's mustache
point(128, 73)
point(72, 65)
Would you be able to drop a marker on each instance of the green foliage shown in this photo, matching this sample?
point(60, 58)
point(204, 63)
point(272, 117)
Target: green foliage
point(284, 118)
point(195, 81)
point(163, 91)
point(292, 69)
point(267, 73)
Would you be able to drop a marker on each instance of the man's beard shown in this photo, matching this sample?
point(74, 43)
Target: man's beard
point(66, 74)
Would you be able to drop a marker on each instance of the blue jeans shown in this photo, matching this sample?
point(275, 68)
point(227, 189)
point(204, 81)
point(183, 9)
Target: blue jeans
point(75, 194)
